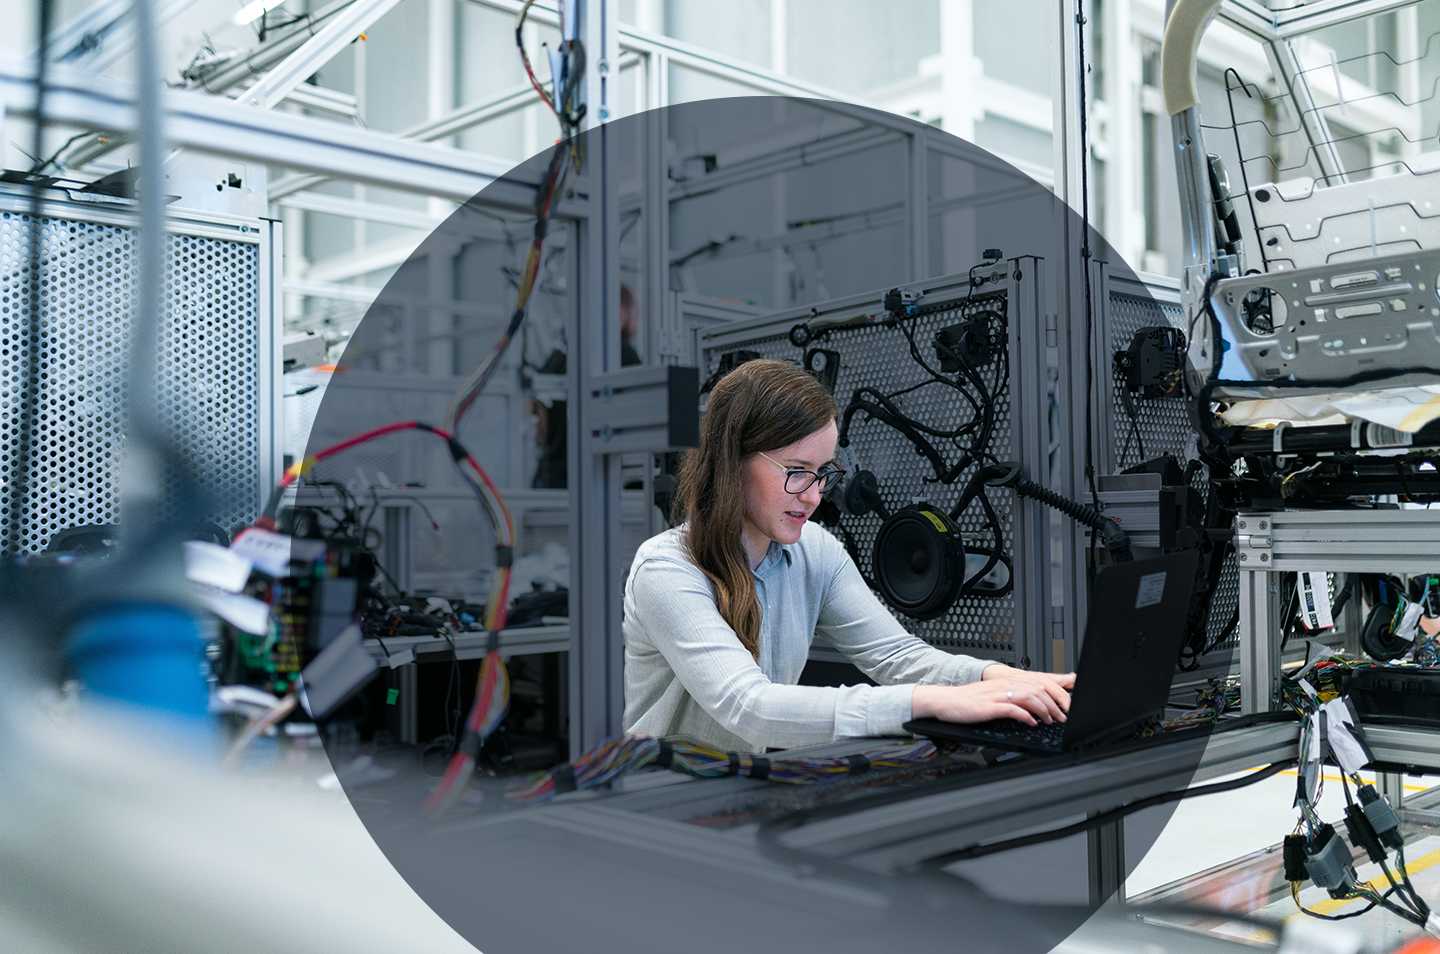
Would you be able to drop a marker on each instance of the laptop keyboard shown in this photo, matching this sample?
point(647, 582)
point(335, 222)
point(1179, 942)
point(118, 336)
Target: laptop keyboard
point(1008, 730)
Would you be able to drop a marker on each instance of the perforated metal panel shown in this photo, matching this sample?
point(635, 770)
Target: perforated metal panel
point(209, 383)
point(1160, 426)
point(879, 357)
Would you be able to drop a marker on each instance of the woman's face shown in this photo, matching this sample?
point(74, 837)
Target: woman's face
point(772, 513)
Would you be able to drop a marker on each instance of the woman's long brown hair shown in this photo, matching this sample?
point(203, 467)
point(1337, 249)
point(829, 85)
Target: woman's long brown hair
point(760, 406)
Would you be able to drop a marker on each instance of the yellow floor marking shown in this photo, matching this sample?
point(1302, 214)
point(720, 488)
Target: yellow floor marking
point(1408, 786)
point(1331, 905)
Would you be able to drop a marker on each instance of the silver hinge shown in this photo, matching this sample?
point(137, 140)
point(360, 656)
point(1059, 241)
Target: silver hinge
point(1052, 330)
point(1252, 542)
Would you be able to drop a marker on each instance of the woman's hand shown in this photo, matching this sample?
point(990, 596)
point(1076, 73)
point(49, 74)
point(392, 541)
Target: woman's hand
point(1002, 693)
point(1055, 685)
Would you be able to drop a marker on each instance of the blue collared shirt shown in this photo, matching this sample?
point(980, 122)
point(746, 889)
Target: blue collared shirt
point(687, 674)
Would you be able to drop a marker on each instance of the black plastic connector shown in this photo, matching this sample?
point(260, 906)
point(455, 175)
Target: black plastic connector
point(1295, 854)
point(1153, 363)
point(1382, 818)
point(1362, 833)
point(901, 302)
point(965, 344)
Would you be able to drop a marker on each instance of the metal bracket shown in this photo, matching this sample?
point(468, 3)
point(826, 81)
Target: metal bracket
point(1252, 541)
point(643, 409)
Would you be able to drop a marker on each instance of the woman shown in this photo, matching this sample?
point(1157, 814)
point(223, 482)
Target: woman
point(720, 611)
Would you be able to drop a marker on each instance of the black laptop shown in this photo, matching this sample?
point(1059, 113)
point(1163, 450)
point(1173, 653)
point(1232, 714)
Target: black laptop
point(1137, 624)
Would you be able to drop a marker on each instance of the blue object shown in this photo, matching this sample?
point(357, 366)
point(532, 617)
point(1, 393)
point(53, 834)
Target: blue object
point(143, 654)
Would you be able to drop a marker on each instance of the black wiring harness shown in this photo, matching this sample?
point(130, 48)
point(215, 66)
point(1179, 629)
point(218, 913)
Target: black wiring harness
point(981, 333)
point(979, 337)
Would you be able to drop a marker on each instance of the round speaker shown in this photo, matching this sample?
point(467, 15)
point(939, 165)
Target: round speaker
point(919, 561)
point(1377, 639)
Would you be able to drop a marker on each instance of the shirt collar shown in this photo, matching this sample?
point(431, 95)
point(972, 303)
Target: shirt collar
point(773, 556)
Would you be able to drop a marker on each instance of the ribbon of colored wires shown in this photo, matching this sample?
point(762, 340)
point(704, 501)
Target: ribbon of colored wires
point(618, 756)
point(492, 696)
point(566, 155)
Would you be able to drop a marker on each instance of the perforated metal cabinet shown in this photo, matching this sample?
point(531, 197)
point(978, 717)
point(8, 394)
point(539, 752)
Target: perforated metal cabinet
point(217, 381)
point(1012, 628)
point(1125, 303)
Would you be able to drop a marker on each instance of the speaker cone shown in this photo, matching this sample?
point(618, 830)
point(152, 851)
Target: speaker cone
point(919, 561)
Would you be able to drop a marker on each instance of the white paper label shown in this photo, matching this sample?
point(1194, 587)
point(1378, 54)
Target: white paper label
point(1315, 601)
point(1152, 590)
point(1344, 736)
point(272, 552)
point(1410, 621)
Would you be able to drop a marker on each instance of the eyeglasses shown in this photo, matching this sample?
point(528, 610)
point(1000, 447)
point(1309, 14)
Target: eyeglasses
point(797, 480)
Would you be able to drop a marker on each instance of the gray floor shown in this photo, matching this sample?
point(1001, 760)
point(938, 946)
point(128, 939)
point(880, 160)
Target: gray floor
point(1223, 851)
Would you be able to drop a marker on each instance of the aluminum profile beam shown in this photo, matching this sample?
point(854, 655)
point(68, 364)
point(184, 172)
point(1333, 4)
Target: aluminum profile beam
point(1319, 14)
point(272, 52)
point(104, 33)
point(593, 464)
point(1345, 541)
point(898, 834)
point(222, 80)
point(203, 123)
point(441, 127)
point(341, 105)
point(334, 36)
point(1257, 18)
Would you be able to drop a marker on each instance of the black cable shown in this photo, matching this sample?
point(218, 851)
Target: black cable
point(41, 165)
point(914, 387)
point(885, 401)
point(1424, 907)
point(1101, 818)
point(383, 647)
point(1343, 917)
point(1128, 401)
point(456, 713)
point(1412, 901)
point(986, 406)
point(1116, 540)
point(1080, 22)
point(1244, 179)
point(919, 359)
point(18, 480)
point(996, 556)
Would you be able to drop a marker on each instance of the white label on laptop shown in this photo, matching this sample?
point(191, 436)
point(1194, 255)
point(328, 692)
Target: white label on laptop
point(1152, 590)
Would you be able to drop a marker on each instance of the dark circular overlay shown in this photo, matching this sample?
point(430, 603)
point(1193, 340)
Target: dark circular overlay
point(775, 205)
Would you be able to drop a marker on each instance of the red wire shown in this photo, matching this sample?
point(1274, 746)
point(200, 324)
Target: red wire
point(491, 673)
point(294, 473)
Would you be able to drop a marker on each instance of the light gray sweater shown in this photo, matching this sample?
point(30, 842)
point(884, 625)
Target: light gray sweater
point(687, 674)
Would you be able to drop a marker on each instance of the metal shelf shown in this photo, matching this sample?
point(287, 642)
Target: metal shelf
point(1344, 541)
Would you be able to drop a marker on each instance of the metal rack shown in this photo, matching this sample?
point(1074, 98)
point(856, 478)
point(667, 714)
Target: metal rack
point(1353, 541)
point(1015, 628)
point(217, 363)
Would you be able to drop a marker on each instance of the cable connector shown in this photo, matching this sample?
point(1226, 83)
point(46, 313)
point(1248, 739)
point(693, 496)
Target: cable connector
point(902, 301)
point(1362, 833)
point(1328, 862)
point(1295, 853)
point(1382, 818)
